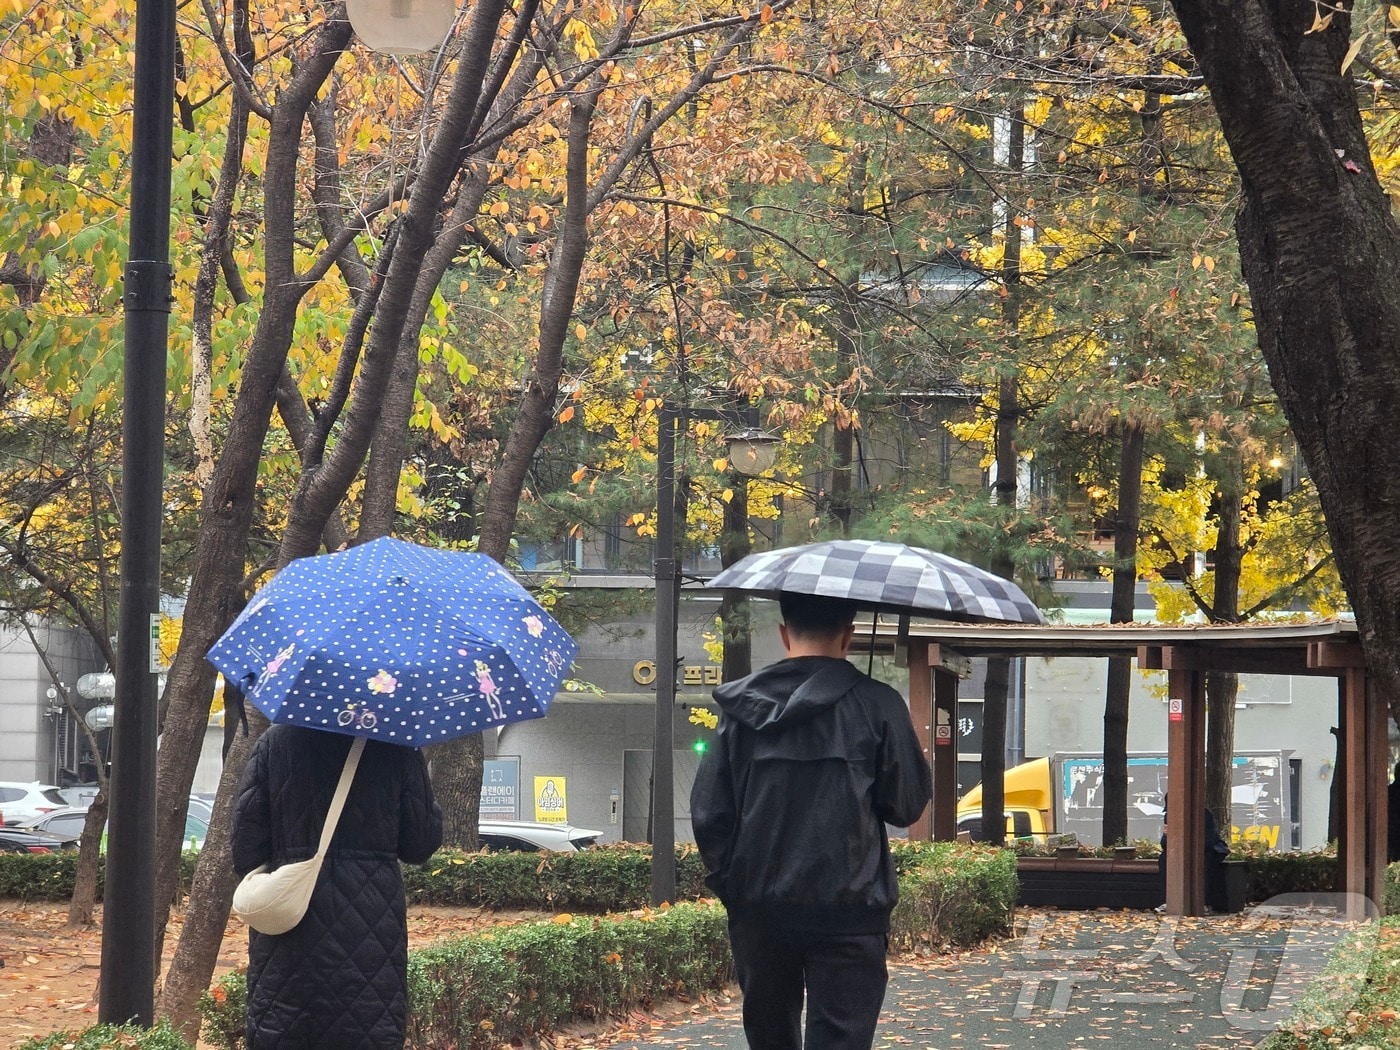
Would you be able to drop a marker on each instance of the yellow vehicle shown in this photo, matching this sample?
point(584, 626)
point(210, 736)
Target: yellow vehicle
point(1028, 803)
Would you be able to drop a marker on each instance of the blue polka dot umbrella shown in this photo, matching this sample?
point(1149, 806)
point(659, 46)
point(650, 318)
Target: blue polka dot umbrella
point(397, 642)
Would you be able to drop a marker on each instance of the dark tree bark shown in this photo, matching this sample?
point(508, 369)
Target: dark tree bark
point(1222, 687)
point(1008, 475)
point(734, 605)
point(1320, 251)
point(83, 904)
point(1121, 605)
point(217, 576)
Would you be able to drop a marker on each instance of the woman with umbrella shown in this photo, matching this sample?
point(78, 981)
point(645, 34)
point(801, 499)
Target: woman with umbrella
point(365, 655)
point(339, 977)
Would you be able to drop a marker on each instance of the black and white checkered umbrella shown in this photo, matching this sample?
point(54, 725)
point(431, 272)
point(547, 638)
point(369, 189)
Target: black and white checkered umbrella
point(890, 576)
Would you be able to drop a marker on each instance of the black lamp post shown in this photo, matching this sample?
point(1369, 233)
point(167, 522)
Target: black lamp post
point(126, 990)
point(751, 452)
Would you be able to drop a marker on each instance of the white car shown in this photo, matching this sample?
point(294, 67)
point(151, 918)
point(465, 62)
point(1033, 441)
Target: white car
point(531, 837)
point(21, 803)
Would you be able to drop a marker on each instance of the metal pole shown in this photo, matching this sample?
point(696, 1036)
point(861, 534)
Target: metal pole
point(126, 987)
point(663, 803)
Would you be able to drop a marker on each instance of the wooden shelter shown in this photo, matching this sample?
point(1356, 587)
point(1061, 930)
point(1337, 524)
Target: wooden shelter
point(939, 655)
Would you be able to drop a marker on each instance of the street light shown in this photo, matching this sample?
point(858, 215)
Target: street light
point(401, 27)
point(126, 989)
point(751, 451)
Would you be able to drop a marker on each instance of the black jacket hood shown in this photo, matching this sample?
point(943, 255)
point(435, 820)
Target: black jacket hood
point(787, 692)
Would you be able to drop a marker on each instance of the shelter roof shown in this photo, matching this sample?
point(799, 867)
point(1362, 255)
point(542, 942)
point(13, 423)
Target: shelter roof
point(1251, 640)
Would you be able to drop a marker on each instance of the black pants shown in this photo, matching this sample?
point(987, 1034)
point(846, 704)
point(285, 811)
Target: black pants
point(843, 978)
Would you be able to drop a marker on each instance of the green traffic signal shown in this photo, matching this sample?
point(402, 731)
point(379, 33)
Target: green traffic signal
point(699, 746)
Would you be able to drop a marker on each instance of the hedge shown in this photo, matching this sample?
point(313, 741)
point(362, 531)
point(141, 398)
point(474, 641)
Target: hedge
point(518, 982)
point(515, 982)
point(50, 876)
point(1353, 1001)
point(614, 877)
point(953, 895)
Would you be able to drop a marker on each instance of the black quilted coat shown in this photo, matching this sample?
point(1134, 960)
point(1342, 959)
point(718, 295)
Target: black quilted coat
point(339, 978)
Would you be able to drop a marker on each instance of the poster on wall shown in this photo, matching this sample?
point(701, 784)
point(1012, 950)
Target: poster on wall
point(1260, 803)
point(500, 789)
point(550, 803)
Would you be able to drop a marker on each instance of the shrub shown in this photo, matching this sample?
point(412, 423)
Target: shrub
point(1352, 1002)
point(50, 876)
point(225, 1010)
point(1273, 872)
point(518, 981)
point(525, 980)
point(110, 1037)
point(953, 894)
point(606, 878)
point(1391, 903)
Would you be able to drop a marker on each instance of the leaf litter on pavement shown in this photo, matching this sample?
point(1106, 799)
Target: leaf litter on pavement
point(1062, 979)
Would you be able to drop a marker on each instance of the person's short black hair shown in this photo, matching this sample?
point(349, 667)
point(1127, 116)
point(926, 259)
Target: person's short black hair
point(815, 613)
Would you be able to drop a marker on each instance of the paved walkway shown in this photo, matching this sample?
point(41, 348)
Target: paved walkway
point(1067, 979)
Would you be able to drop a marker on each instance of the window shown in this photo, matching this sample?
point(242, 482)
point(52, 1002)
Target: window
point(69, 824)
point(509, 842)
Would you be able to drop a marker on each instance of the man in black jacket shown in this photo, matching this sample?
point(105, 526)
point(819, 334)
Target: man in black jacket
point(813, 759)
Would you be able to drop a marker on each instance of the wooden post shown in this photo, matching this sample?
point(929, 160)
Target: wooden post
point(1351, 844)
point(921, 713)
point(945, 754)
point(1377, 761)
point(1186, 726)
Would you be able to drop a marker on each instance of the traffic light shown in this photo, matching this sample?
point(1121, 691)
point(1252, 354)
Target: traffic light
point(699, 746)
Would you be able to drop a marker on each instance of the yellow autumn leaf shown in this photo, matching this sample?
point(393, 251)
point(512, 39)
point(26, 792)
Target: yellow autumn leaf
point(727, 495)
point(1355, 49)
point(580, 332)
point(567, 414)
point(1393, 13)
point(721, 464)
point(563, 919)
point(578, 475)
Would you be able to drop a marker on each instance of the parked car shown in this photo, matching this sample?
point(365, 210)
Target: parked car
point(66, 826)
point(530, 837)
point(17, 840)
point(24, 802)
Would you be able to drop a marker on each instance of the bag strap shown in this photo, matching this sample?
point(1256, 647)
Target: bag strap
point(342, 789)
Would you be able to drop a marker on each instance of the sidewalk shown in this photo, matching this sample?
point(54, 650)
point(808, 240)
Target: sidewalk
point(1079, 978)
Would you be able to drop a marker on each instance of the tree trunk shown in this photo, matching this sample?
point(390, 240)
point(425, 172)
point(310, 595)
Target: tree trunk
point(84, 901)
point(229, 501)
point(1008, 476)
point(1222, 687)
point(1121, 606)
point(734, 605)
point(1320, 251)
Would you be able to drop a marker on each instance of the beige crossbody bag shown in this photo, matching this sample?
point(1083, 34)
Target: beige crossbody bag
point(275, 901)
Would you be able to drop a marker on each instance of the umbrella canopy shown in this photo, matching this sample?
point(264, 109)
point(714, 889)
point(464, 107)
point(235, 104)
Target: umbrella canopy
point(396, 642)
point(879, 575)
